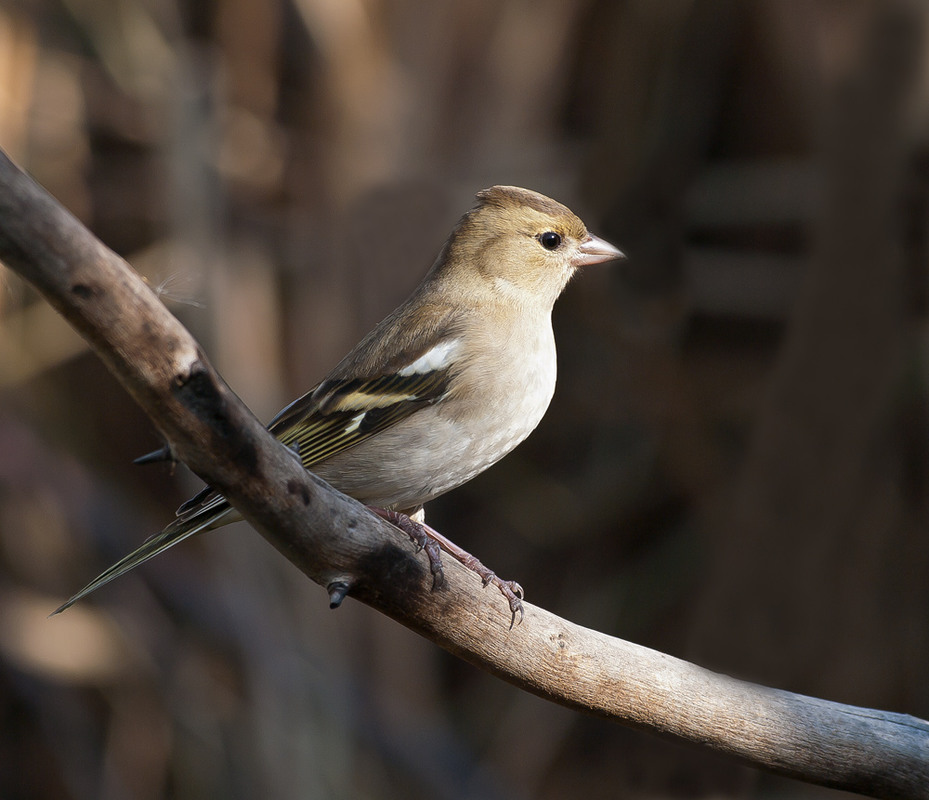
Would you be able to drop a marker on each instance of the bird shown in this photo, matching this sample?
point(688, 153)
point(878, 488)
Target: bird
point(441, 389)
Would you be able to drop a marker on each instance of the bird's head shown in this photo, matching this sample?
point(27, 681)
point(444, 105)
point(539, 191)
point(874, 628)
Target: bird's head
point(522, 245)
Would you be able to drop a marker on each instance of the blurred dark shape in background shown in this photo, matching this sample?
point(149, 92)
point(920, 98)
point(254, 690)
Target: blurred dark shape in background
point(734, 469)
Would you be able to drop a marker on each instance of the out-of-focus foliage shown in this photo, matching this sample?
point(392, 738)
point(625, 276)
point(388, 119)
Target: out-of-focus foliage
point(735, 467)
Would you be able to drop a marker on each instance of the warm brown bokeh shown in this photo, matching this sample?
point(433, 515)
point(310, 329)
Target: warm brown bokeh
point(735, 468)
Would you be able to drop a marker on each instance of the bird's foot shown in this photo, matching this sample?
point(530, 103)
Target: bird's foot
point(419, 534)
point(511, 590)
point(430, 540)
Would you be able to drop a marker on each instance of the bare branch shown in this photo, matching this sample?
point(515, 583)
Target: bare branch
point(337, 543)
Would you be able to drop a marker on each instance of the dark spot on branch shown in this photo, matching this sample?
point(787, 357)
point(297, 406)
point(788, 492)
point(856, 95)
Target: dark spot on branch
point(297, 488)
point(83, 290)
point(204, 396)
point(405, 571)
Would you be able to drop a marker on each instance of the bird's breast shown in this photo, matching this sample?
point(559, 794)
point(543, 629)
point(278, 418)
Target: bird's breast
point(490, 410)
point(493, 404)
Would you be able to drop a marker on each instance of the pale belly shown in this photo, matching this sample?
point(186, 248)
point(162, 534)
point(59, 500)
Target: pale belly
point(439, 448)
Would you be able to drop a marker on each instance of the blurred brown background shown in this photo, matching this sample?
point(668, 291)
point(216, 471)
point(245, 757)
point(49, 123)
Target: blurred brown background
point(734, 469)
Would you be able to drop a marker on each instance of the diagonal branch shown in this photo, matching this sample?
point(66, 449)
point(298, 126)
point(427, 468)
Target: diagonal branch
point(337, 543)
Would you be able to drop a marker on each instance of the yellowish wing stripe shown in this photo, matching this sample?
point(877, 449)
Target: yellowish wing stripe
point(365, 399)
point(350, 418)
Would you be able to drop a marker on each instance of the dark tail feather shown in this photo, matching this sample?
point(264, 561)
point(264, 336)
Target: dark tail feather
point(182, 528)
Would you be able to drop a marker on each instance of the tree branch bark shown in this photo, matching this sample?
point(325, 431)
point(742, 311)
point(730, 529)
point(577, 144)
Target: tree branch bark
point(336, 542)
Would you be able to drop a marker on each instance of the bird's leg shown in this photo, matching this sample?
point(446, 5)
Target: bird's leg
point(511, 590)
point(431, 541)
point(417, 531)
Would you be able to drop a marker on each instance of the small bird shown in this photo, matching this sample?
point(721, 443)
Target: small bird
point(441, 389)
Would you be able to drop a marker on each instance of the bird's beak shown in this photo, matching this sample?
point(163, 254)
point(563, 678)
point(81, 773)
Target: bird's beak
point(593, 250)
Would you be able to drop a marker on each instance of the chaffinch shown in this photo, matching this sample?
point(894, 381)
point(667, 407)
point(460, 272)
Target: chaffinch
point(441, 389)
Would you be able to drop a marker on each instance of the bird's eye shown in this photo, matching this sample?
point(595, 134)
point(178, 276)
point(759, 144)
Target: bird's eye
point(550, 240)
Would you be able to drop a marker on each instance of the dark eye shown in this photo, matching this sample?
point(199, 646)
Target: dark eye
point(550, 240)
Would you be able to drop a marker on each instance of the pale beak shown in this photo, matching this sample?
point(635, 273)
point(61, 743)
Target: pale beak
point(594, 250)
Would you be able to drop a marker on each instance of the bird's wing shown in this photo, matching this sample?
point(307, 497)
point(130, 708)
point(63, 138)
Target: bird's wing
point(341, 412)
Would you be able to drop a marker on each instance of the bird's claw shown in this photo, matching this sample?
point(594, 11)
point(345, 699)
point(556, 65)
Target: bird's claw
point(513, 593)
point(433, 542)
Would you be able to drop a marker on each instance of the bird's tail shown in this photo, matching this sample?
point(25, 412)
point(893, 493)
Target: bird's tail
point(185, 526)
